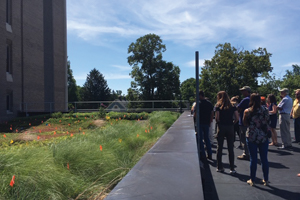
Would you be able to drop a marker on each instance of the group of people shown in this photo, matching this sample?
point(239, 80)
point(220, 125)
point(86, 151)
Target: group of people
point(255, 121)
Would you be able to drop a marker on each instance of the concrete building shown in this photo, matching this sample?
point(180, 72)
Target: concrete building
point(33, 57)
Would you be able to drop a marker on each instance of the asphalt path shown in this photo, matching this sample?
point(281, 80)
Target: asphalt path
point(284, 165)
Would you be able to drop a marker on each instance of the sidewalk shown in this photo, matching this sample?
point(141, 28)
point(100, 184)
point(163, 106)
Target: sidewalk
point(168, 171)
point(284, 183)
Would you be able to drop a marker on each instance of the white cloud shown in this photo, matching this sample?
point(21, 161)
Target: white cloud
point(122, 68)
point(193, 64)
point(111, 76)
point(188, 22)
point(290, 64)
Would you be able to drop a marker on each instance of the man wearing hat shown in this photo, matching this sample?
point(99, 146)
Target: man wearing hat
point(285, 107)
point(244, 104)
point(296, 116)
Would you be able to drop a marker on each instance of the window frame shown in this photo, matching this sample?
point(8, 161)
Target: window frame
point(9, 56)
point(9, 102)
point(8, 12)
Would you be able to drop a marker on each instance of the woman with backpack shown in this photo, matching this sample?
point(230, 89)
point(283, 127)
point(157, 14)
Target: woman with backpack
point(256, 118)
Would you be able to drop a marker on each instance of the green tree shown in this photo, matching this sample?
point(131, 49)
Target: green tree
point(153, 77)
point(73, 94)
point(188, 90)
point(269, 85)
point(95, 87)
point(231, 68)
point(291, 79)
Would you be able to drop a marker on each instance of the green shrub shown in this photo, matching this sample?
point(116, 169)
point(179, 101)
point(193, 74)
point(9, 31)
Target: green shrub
point(57, 115)
point(101, 114)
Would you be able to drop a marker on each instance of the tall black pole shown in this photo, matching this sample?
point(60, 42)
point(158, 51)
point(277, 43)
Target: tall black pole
point(197, 101)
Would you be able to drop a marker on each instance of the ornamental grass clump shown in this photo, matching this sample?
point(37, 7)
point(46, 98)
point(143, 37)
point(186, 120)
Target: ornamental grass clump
point(82, 166)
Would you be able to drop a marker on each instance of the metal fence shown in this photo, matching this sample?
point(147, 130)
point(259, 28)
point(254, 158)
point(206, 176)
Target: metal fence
point(117, 106)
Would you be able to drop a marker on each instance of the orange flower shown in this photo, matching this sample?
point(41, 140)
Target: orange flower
point(29, 124)
point(71, 135)
point(137, 135)
point(145, 131)
point(12, 182)
point(100, 147)
point(38, 137)
point(83, 133)
point(54, 133)
point(4, 135)
point(151, 127)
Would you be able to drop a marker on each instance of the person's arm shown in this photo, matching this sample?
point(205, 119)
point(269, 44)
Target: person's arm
point(291, 115)
point(280, 105)
point(236, 114)
point(274, 109)
point(245, 117)
point(217, 116)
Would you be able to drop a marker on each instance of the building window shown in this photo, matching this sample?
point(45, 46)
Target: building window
point(8, 12)
point(9, 102)
point(9, 57)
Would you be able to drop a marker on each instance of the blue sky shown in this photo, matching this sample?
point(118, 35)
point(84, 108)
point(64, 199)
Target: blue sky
point(100, 31)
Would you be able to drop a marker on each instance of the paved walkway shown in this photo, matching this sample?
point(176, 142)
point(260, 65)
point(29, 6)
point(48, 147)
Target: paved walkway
point(284, 183)
point(168, 171)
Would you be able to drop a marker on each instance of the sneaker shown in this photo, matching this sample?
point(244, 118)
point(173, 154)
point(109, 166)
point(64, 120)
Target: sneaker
point(232, 172)
point(265, 182)
point(243, 157)
point(220, 170)
point(285, 147)
point(250, 182)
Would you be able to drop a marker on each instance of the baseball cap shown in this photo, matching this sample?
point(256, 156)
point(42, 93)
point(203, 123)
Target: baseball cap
point(246, 88)
point(284, 90)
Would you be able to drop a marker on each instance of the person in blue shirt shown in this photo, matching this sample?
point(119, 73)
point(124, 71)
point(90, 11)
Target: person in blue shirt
point(244, 104)
point(285, 108)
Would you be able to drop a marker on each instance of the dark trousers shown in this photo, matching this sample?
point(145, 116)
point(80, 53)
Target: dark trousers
point(228, 132)
point(263, 153)
point(297, 129)
point(204, 132)
point(237, 131)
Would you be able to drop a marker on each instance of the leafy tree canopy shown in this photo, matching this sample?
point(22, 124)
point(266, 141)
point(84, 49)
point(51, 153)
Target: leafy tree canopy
point(231, 68)
point(188, 90)
point(153, 78)
point(291, 79)
point(73, 94)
